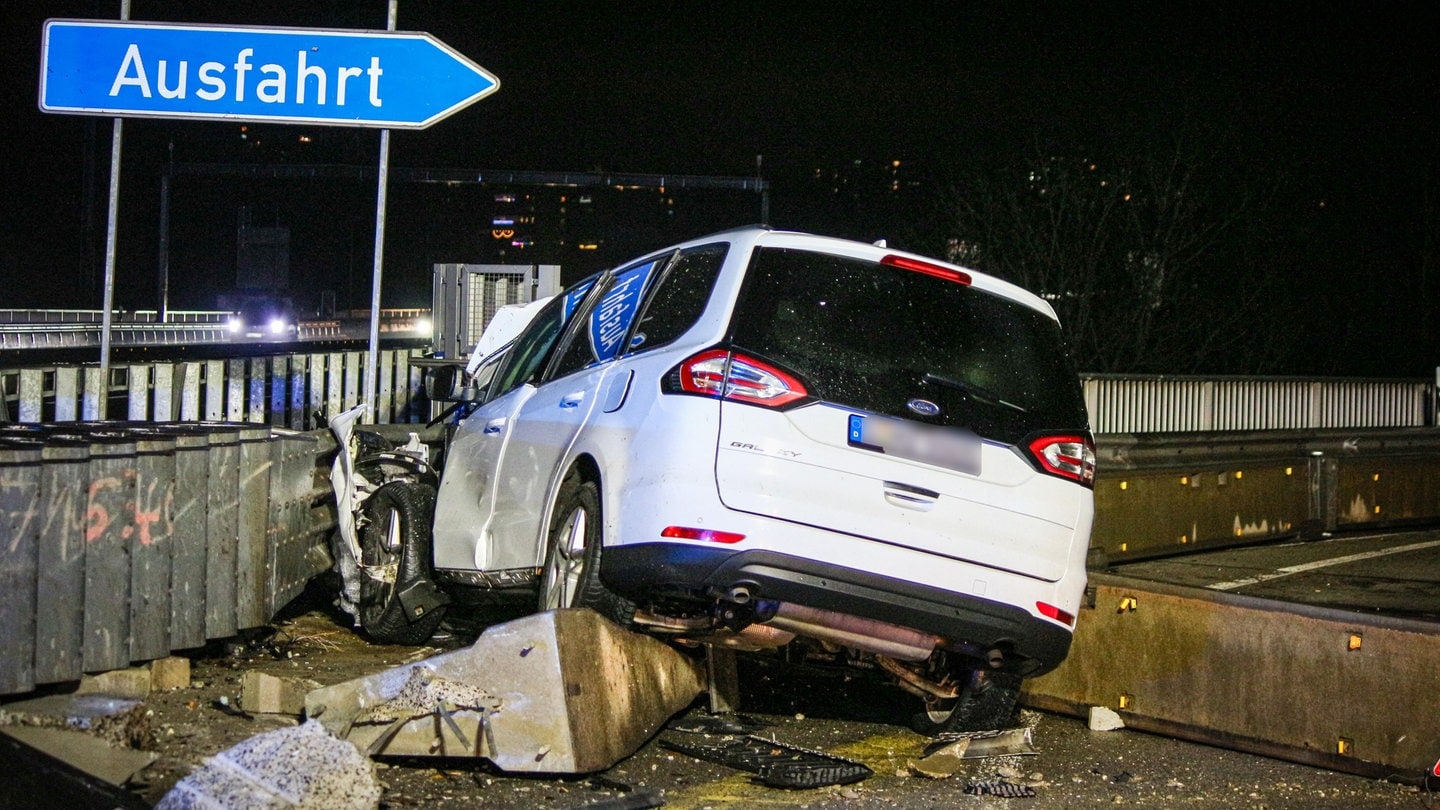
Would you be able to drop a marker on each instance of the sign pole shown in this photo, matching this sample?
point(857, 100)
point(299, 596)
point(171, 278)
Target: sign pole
point(96, 408)
point(382, 188)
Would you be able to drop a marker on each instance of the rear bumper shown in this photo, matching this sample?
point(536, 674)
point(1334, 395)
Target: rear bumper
point(959, 618)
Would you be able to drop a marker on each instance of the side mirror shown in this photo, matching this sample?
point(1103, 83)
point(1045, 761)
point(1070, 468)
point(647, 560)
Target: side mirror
point(449, 383)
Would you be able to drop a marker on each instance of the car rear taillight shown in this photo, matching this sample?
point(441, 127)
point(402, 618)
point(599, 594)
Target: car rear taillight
point(1070, 456)
point(1064, 617)
point(928, 268)
point(707, 535)
point(738, 377)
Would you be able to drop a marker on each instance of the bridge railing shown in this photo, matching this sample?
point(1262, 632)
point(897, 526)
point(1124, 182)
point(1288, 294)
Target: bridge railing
point(1174, 404)
point(284, 390)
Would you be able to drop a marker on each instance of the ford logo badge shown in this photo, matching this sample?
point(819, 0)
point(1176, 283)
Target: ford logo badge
point(923, 407)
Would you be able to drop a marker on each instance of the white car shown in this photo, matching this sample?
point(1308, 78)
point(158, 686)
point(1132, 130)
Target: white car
point(764, 439)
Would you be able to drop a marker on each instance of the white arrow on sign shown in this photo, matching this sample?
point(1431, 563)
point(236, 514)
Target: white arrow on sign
point(390, 79)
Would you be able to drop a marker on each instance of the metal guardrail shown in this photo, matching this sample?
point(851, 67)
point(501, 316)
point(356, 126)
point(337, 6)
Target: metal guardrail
point(1157, 495)
point(125, 542)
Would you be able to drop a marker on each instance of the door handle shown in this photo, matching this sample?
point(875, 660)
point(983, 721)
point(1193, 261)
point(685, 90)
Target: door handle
point(910, 497)
point(495, 426)
point(572, 400)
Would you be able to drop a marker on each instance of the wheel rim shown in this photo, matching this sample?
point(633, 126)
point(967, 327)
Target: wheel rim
point(567, 561)
point(384, 562)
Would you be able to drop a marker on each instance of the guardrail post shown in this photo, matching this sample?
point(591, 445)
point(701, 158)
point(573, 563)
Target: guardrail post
point(67, 391)
point(32, 394)
point(279, 379)
point(334, 382)
point(166, 404)
point(1325, 491)
point(190, 392)
point(138, 377)
point(298, 417)
point(384, 404)
point(97, 392)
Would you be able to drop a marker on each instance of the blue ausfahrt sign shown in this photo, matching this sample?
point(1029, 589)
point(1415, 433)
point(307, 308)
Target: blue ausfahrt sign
point(287, 75)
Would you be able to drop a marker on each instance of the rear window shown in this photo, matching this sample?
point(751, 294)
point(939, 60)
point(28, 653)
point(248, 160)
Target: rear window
point(875, 337)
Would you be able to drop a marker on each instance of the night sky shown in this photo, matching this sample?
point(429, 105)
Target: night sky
point(1341, 97)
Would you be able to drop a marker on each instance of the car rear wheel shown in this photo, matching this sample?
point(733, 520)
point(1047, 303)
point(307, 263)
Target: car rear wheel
point(571, 576)
point(986, 703)
point(395, 552)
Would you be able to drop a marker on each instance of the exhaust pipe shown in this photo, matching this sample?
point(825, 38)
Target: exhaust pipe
point(881, 638)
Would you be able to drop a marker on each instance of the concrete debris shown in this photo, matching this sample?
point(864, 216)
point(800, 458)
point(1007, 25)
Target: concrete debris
point(169, 673)
point(564, 691)
point(1105, 719)
point(943, 763)
point(124, 683)
point(120, 721)
point(267, 694)
point(84, 752)
point(303, 767)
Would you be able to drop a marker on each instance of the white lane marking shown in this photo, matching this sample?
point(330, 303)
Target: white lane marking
point(1311, 566)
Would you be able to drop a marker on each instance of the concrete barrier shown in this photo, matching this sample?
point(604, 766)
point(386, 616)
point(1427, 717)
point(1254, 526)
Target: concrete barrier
point(1332, 688)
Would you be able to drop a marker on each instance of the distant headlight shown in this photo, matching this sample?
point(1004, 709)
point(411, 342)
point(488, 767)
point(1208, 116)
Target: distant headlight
point(235, 324)
point(278, 326)
point(423, 326)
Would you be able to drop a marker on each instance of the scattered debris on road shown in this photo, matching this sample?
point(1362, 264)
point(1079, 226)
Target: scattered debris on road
point(776, 764)
point(303, 766)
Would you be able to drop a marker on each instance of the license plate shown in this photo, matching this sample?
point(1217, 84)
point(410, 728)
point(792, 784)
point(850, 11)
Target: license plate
point(953, 448)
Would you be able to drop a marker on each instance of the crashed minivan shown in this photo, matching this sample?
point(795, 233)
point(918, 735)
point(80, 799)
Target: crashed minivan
point(768, 441)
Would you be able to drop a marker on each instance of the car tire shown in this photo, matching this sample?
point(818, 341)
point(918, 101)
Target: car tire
point(986, 703)
point(395, 537)
point(571, 577)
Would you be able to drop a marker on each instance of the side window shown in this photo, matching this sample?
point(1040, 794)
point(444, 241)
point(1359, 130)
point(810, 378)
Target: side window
point(526, 356)
point(680, 297)
point(608, 321)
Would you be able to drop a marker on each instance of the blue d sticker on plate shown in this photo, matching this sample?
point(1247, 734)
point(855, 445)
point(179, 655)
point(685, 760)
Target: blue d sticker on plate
point(952, 448)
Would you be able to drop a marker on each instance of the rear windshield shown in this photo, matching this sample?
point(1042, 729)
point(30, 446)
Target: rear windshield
point(874, 337)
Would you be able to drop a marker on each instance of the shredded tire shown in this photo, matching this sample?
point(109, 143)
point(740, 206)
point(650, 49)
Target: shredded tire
point(381, 614)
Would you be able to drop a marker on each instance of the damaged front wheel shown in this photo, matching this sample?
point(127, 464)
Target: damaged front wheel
point(398, 603)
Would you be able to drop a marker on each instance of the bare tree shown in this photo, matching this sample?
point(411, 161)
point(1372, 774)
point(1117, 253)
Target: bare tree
point(1159, 262)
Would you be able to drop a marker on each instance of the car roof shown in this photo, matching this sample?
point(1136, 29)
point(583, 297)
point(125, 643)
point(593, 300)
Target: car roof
point(752, 236)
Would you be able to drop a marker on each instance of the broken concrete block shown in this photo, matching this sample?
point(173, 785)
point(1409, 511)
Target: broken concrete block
point(125, 683)
point(268, 694)
point(301, 767)
point(564, 691)
point(169, 673)
point(1105, 719)
point(84, 752)
point(943, 762)
point(119, 720)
